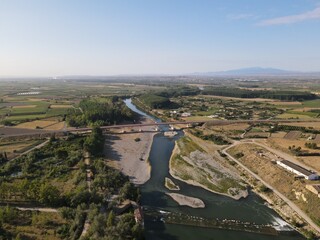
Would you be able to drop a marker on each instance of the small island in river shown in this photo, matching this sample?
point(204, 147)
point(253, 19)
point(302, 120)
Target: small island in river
point(171, 185)
point(186, 200)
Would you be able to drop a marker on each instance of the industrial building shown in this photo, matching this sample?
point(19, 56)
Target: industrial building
point(296, 169)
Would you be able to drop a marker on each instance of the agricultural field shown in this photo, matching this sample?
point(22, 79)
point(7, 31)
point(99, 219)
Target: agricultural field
point(55, 98)
point(37, 124)
point(14, 148)
point(292, 135)
point(15, 112)
point(281, 141)
point(310, 125)
point(312, 104)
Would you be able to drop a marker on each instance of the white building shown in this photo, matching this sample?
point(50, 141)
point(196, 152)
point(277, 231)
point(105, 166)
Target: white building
point(296, 169)
point(28, 93)
point(186, 114)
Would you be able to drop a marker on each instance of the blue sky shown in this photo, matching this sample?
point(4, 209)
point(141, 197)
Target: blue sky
point(104, 37)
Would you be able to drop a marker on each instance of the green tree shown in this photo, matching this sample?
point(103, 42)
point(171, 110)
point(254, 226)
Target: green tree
point(111, 219)
point(61, 154)
point(49, 194)
point(94, 143)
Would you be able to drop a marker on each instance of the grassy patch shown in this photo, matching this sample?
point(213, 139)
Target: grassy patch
point(312, 103)
point(293, 116)
point(31, 224)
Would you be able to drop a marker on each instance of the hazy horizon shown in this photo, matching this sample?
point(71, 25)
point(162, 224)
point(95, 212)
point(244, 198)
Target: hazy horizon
point(110, 38)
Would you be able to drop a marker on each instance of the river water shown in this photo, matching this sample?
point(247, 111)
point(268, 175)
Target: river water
point(252, 209)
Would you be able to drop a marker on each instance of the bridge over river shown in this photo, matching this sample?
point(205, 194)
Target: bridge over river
point(7, 132)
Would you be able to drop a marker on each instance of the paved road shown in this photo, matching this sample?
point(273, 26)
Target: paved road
point(284, 198)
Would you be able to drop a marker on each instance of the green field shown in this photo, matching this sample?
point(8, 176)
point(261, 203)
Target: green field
point(23, 118)
point(52, 112)
point(294, 116)
point(312, 103)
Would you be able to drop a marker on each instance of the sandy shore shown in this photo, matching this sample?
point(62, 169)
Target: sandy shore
point(186, 200)
point(130, 156)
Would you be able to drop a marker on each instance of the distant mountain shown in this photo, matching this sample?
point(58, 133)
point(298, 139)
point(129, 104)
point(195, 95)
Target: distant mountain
point(253, 71)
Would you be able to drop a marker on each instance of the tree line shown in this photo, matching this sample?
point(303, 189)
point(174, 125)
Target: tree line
point(270, 94)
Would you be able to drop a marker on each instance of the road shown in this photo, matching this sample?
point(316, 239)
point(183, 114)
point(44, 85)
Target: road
point(38, 209)
point(15, 132)
point(89, 176)
point(284, 198)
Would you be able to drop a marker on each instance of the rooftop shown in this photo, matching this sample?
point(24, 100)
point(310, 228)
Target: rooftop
point(297, 168)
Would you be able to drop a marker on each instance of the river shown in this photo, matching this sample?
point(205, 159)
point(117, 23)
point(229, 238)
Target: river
point(252, 209)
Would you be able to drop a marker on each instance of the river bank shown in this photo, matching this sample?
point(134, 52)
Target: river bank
point(129, 152)
point(281, 207)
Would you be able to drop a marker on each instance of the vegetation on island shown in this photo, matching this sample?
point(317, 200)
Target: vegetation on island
point(171, 185)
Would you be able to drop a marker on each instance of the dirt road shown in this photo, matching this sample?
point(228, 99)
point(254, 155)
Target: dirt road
point(38, 209)
point(31, 149)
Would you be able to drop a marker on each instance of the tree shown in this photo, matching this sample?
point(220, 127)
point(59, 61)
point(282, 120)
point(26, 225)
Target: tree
point(49, 194)
point(61, 154)
point(111, 218)
point(3, 157)
point(128, 191)
point(67, 213)
point(7, 214)
point(311, 145)
point(94, 143)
